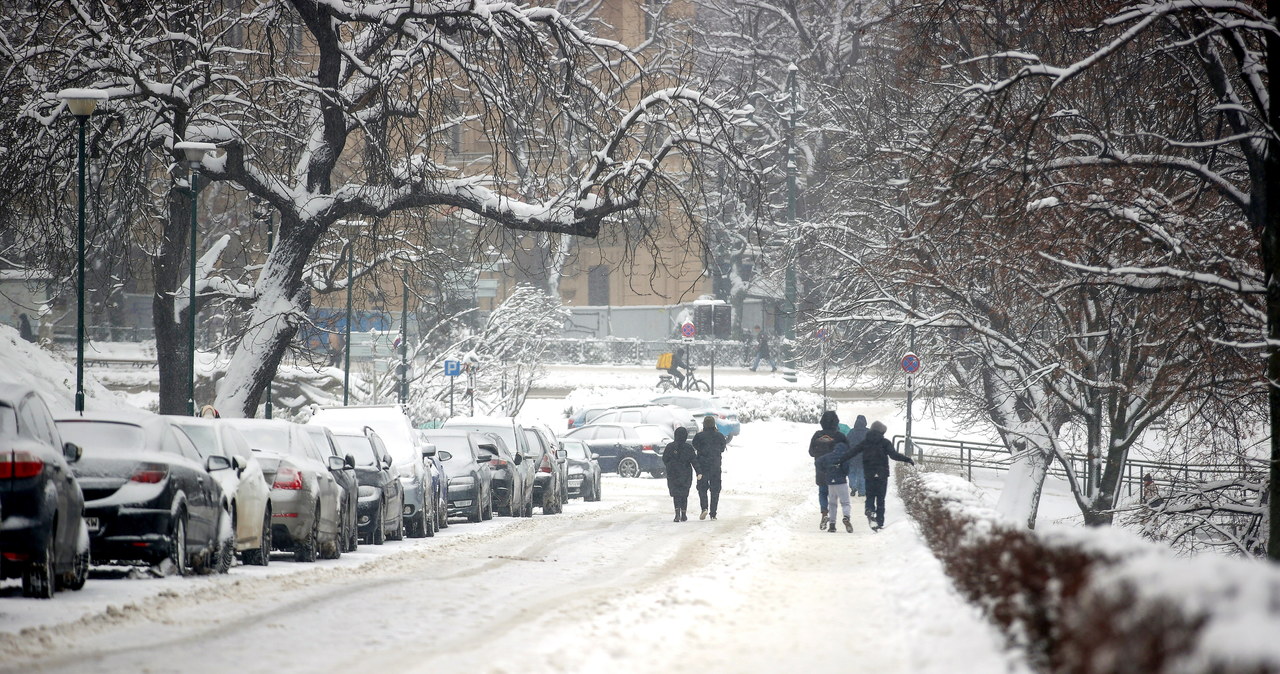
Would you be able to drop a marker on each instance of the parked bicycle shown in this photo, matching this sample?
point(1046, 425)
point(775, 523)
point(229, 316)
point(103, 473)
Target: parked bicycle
point(691, 382)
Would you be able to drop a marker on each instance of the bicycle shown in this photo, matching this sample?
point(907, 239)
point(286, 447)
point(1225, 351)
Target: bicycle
point(691, 383)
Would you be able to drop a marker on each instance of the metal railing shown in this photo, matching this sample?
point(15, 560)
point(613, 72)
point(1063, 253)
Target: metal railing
point(967, 455)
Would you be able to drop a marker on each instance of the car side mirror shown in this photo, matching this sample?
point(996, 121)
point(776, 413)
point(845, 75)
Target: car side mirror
point(217, 462)
point(562, 454)
point(443, 455)
point(430, 452)
point(349, 462)
point(337, 463)
point(517, 459)
point(386, 462)
point(594, 455)
point(71, 452)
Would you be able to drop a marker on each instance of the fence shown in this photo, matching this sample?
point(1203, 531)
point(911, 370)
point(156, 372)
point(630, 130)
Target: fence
point(644, 352)
point(966, 455)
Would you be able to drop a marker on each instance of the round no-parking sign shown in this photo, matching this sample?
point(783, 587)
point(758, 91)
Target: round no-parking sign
point(910, 363)
point(687, 330)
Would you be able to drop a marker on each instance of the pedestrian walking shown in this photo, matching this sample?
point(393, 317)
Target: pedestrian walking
point(710, 446)
point(24, 328)
point(762, 351)
point(876, 450)
point(681, 464)
point(823, 442)
point(834, 467)
point(857, 476)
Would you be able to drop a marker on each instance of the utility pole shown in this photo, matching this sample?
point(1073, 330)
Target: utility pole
point(346, 342)
point(404, 339)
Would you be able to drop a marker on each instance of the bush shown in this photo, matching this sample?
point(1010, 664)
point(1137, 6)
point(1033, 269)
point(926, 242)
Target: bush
point(1098, 600)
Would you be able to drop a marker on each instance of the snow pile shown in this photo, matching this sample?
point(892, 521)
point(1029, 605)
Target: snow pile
point(1099, 599)
point(23, 362)
point(800, 406)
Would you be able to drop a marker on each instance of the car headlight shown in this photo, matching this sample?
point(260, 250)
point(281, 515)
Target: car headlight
point(575, 476)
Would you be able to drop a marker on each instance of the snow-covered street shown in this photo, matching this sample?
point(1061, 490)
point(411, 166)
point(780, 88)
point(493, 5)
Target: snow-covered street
point(610, 586)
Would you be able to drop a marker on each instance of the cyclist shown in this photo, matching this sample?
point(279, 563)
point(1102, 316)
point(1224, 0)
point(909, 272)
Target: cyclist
point(679, 362)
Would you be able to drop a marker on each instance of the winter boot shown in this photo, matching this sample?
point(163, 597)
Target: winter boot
point(848, 526)
point(677, 519)
point(871, 521)
point(832, 526)
point(823, 523)
point(684, 515)
point(703, 516)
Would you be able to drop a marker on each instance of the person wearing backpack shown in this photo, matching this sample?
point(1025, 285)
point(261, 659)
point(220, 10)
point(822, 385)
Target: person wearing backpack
point(857, 476)
point(876, 450)
point(824, 442)
point(834, 465)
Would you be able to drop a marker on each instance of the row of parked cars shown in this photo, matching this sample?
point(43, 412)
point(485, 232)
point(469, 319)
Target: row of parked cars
point(191, 495)
point(629, 439)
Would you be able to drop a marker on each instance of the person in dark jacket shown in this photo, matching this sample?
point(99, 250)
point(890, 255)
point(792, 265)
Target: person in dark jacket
point(834, 466)
point(681, 463)
point(679, 365)
point(24, 328)
point(857, 479)
point(762, 352)
point(824, 440)
point(710, 445)
point(876, 450)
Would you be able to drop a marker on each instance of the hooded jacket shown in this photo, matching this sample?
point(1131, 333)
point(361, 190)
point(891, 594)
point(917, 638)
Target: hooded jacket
point(834, 465)
point(876, 450)
point(681, 462)
point(710, 445)
point(830, 423)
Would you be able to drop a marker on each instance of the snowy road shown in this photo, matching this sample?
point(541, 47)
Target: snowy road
point(613, 586)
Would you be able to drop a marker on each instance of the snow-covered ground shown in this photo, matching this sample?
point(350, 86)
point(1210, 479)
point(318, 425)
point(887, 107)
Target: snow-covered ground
point(609, 586)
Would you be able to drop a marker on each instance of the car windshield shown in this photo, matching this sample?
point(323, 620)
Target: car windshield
point(507, 433)
point(8, 420)
point(203, 437)
point(458, 447)
point(575, 450)
point(358, 447)
point(102, 438)
point(267, 438)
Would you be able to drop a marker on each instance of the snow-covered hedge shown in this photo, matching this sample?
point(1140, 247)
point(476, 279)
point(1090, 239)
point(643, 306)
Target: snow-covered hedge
point(1099, 599)
point(799, 406)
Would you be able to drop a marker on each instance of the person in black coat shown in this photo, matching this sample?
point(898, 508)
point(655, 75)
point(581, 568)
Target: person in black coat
point(876, 450)
point(681, 463)
point(710, 445)
point(824, 440)
point(857, 477)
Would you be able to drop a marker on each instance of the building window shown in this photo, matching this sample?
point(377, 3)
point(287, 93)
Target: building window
point(598, 286)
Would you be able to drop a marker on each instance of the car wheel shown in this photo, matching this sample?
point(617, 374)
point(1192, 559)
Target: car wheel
point(225, 555)
point(353, 533)
point(488, 510)
point(429, 523)
point(37, 579)
point(261, 556)
point(307, 550)
point(379, 533)
point(629, 467)
point(442, 513)
point(397, 530)
point(528, 506)
point(596, 493)
point(479, 512)
point(178, 544)
point(79, 573)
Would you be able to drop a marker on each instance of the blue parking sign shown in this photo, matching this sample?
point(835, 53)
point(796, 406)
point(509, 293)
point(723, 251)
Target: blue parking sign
point(452, 368)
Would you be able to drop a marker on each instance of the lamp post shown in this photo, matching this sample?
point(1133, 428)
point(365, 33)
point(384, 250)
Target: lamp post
point(194, 154)
point(81, 103)
point(346, 341)
point(789, 311)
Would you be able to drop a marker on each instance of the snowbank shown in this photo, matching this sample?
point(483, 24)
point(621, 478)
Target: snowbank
point(54, 376)
point(1099, 599)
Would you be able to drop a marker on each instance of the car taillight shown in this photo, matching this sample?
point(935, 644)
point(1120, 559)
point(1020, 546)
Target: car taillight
point(288, 478)
point(150, 473)
point(19, 465)
point(646, 448)
point(498, 463)
point(723, 416)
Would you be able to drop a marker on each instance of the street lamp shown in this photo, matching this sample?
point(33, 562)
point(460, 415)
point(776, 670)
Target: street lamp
point(790, 288)
point(81, 103)
point(194, 154)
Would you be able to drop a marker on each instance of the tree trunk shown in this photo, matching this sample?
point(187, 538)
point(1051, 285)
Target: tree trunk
point(1261, 203)
point(172, 343)
point(281, 305)
point(1020, 498)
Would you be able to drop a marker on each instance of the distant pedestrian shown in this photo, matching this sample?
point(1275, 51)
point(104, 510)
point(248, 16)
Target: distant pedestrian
point(823, 442)
point(762, 351)
point(1150, 492)
point(681, 464)
point(857, 476)
point(24, 328)
point(833, 467)
point(876, 450)
point(710, 446)
point(335, 349)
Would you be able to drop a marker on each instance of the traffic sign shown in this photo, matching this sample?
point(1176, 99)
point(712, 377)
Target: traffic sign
point(687, 330)
point(823, 334)
point(910, 363)
point(452, 368)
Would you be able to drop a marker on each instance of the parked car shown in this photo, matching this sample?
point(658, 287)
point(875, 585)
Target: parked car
point(514, 476)
point(439, 477)
point(667, 416)
point(702, 405)
point(551, 482)
point(584, 470)
point(381, 494)
point(583, 415)
point(148, 494)
point(42, 529)
point(467, 465)
point(246, 487)
point(305, 498)
point(627, 449)
point(391, 424)
point(346, 479)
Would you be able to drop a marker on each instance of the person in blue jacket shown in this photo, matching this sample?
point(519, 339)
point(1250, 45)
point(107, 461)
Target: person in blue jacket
point(824, 441)
point(833, 467)
point(857, 476)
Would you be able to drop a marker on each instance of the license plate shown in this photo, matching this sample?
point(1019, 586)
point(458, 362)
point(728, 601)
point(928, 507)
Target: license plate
point(92, 524)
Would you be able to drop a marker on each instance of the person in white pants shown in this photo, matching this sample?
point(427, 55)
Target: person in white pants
point(835, 468)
